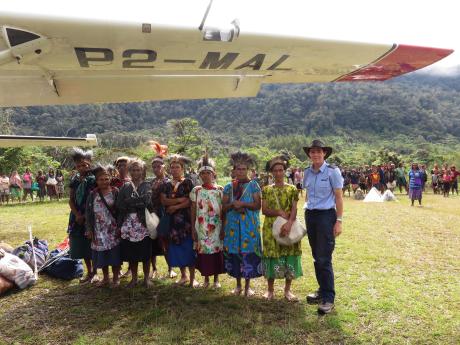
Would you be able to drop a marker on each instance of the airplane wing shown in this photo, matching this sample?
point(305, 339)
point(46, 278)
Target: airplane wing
point(20, 141)
point(60, 60)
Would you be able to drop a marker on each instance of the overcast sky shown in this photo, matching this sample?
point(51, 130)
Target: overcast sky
point(431, 23)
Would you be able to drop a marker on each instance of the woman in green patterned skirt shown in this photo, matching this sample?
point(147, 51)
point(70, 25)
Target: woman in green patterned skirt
point(280, 200)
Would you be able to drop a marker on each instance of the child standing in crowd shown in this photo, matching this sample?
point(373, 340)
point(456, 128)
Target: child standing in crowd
point(241, 202)
point(80, 187)
point(101, 226)
point(41, 181)
point(207, 231)
point(280, 200)
point(134, 197)
point(175, 197)
point(27, 179)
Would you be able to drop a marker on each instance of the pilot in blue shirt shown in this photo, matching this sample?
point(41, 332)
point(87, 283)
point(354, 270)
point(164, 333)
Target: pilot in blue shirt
point(323, 216)
point(320, 186)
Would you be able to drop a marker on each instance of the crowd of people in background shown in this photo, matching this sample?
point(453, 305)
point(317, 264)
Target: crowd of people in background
point(387, 176)
point(42, 185)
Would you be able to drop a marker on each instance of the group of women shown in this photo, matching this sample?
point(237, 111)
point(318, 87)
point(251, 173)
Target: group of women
point(205, 227)
point(18, 187)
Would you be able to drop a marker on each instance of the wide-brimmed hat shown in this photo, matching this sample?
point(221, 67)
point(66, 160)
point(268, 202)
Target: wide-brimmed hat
point(319, 144)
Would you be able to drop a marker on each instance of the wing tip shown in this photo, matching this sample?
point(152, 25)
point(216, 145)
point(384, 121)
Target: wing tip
point(401, 59)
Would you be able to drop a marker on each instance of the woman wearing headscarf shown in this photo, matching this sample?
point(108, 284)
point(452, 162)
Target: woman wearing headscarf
point(242, 246)
point(175, 197)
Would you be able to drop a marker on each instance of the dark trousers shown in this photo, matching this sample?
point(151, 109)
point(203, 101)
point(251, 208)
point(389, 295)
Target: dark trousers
point(320, 231)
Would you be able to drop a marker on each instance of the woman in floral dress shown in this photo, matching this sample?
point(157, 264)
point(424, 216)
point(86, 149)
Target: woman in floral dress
point(101, 226)
point(242, 247)
point(207, 228)
point(134, 197)
point(175, 197)
point(280, 200)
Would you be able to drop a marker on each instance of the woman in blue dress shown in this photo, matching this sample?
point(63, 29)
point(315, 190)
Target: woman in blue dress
point(242, 245)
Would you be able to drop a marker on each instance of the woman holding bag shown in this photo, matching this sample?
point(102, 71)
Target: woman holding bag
point(134, 197)
point(280, 200)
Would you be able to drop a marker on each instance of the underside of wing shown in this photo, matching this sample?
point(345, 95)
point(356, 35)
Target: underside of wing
point(50, 60)
point(20, 141)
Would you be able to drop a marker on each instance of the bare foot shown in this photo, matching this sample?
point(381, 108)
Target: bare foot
point(194, 284)
point(126, 274)
point(102, 283)
point(205, 285)
point(86, 279)
point(290, 296)
point(147, 283)
point(237, 291)
point(182, 281)
point(153, 275)
point(172, 274)
point(131, 284)
point(216, 285)
point(269, 295)
point(249, 292)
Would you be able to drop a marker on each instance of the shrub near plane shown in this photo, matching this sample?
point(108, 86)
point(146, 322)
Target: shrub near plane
point(60, 59)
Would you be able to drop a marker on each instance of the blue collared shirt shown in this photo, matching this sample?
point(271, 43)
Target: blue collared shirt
point(320, 187)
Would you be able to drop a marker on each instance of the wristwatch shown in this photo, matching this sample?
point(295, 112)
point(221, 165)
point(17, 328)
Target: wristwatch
point(339, 219)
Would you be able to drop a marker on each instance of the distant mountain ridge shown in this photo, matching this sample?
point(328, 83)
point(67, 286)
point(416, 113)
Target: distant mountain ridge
point(417, 104)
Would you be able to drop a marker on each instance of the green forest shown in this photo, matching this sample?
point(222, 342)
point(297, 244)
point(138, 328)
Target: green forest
point(415, 117)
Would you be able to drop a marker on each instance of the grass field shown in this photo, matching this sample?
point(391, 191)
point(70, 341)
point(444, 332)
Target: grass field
point(397, 281)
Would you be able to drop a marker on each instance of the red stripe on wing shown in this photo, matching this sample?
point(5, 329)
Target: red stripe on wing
point(399, 60)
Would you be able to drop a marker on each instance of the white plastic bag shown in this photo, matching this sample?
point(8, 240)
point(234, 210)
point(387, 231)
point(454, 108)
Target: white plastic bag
point(16, 270)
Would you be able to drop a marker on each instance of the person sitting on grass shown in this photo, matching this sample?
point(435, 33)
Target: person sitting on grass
point(80, 187)
point(280, 200)
point(134, 197)
point(207, 230)
point(101, 226)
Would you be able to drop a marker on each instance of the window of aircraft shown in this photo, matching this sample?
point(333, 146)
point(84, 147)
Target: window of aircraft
point(17, 37)
point(222, 35)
